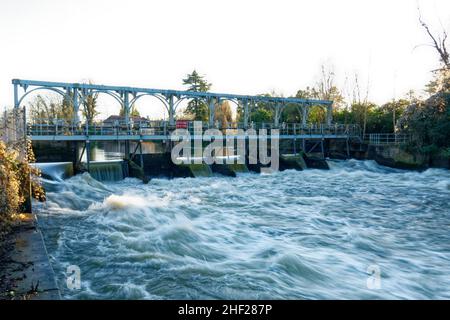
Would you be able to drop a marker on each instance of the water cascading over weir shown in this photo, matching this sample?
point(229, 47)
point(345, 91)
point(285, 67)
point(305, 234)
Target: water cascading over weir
point(101, 171)
point(108, 171)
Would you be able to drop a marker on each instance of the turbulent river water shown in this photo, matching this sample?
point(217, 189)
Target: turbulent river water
point(290, 235)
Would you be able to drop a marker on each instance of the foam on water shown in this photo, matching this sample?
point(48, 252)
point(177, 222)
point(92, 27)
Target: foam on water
point(291, 234)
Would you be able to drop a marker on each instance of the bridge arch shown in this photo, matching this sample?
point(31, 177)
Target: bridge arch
point(172, 99)
point(102, 105)
point(85, 94)
point(188, 99)
point(316, 114)
point(60, 92)
point(157, 96)
point(47, 107)
point(234, 105)
point(152, 106)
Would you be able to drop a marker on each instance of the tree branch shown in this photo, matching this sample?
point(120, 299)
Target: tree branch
point(440, 47)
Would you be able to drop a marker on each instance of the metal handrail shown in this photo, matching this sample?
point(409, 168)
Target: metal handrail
point(386, 138)
point(45, 127)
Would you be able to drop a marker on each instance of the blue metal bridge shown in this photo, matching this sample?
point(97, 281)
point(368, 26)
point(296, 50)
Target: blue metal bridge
point(127, 130)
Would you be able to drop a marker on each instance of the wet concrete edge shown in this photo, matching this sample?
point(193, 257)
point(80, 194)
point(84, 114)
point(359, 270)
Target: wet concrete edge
point(26, 271)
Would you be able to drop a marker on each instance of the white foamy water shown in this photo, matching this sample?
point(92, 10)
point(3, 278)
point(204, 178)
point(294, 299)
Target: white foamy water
point(290, 235)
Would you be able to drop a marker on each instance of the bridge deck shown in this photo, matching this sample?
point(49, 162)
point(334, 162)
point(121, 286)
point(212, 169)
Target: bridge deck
point(162, 131)
point(167, 137)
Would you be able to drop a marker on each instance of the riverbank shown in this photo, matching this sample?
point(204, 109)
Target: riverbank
point(400, 158)
point(25, 269)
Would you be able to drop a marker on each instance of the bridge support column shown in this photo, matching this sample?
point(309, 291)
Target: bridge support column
point(322, 149)
point(16, 95)
point(141, 158)
point(76, 105)
point(305, 114)
point(277, 116)
point(74, 157)
point(126, 107)
point(295, 139)
point(348, 148)
point(88, 155)
point(171, 112)
point(126, 110)
point(212, 102)
point(245, 104)
point(329, 114)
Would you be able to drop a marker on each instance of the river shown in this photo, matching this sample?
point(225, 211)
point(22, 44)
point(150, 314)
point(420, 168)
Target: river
point(290, 235)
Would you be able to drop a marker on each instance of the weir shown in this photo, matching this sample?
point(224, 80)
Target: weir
point(238, 168)
point(76, 139)
point(161, 165)
point(107, 171)
point(292, 161)
point(101, 171)
point(198, 170)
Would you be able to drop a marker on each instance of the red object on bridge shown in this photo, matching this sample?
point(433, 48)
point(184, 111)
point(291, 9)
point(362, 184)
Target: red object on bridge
point(182, 124)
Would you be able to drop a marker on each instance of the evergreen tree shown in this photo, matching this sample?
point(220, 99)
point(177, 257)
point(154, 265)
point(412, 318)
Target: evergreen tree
point(197, 108)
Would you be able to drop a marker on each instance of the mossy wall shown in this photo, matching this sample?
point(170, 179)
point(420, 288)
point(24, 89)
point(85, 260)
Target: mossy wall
point(396, 157)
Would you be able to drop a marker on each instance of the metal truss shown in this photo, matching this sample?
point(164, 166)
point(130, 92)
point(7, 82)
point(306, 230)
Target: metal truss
point(127, 97)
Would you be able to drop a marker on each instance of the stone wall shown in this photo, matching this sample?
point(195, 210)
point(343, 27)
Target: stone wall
point(396, 157)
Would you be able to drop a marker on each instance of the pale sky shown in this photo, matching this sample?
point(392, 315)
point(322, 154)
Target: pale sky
point(244, 47)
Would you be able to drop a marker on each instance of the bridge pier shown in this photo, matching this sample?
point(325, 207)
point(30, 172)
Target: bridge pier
point(212, 103)
point(140, 155)
point(171, 111)
point(88, 154)
point(322, 149)
point(329, 114)
point(245, 103)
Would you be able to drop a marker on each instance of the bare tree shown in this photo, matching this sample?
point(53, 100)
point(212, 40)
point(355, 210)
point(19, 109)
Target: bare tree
point(326, 88)
point(439, 42)
point(441, 81)
point(359, 104)
point(90, 106)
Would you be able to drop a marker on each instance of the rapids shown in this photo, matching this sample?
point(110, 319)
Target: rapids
point(290, 235)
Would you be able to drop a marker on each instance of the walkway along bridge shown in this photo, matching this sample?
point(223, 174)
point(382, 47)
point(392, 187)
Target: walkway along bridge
point(128, 131)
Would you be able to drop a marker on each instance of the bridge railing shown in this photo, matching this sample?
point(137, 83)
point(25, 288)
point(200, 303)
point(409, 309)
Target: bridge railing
point(386, 138)
point(62, 128)
point(45, 127)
